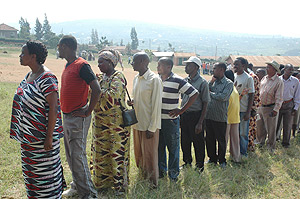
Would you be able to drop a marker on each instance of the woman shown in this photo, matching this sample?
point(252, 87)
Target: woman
point(36, 124)
point(233, 121)
point(110, 144)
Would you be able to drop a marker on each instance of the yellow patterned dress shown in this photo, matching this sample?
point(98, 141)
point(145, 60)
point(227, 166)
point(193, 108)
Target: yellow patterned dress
point(110, 142)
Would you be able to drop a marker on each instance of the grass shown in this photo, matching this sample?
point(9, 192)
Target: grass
point(262, 175)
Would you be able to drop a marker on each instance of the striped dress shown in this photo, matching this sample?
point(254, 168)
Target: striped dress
point(42, 170)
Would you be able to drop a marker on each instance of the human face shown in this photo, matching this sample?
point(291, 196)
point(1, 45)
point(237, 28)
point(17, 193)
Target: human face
point(190, 67)
point(271, 71)
point(25, 57)
point(162, 69)
point(61, 50)
point(288, 71)
point(238, 67)
point(104, 65)
point(135, 63)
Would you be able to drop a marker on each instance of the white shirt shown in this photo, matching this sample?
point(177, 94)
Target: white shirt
point(291, 90)
point(147, 96)
point(241, 82)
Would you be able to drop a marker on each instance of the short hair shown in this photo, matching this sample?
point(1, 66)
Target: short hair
point(242, 60)
point(289, 66)
point(221, 65)
point(141, 55)
point(69, 41)
point(229, 74)
point(295, 74)
point(39, 49)
point(281, 66)
point(166, 61)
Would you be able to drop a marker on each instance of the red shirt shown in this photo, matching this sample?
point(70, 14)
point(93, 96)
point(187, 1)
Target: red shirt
point(74, 89)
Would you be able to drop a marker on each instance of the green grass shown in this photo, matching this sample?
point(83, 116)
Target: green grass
point(262, 175)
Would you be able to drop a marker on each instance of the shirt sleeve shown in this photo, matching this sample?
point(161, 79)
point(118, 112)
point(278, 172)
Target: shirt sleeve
point(204, 92)
point(156, 101)
point(297, 96)
point(278, 96)
point(251, 85)
point(87, 74)
point(224, 95)
point(187, 89)
point(48, 84)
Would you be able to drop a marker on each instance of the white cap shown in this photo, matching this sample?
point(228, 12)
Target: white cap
point(195, 60)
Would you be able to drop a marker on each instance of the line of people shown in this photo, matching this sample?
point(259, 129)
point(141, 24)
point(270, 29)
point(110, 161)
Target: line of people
point(236, 105)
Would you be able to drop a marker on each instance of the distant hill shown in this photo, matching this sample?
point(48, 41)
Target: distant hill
point(203, 42)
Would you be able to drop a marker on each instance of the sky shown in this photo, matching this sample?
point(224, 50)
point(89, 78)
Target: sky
point(262, 17)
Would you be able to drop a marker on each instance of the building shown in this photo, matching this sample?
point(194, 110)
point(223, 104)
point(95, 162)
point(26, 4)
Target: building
point(158, 55)
point(8, 31)
point(179, 58)
point(121, 49)
point(260, 61)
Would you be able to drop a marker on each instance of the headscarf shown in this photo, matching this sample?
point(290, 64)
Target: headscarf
point(113, 55)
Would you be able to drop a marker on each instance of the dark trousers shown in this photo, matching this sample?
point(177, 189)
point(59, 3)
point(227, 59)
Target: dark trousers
point(216, 131)
point(188, 122)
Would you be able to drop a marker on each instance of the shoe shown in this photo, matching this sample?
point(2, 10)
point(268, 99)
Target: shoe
point(185, 165)
point(199, 169)
point(210, 162)
point(70, 193)
point(223, 165)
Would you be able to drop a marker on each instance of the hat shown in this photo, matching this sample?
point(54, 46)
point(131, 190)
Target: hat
point(275, 65)
point(194, 59)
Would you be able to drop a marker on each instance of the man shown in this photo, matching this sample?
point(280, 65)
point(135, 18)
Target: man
point(243, 81)
point(216, 119)
point(147, 99)
point(290, 105)
point(191, 122)
point(173, 86)
point(260, 73)
point(271, 93)
point(76, 79)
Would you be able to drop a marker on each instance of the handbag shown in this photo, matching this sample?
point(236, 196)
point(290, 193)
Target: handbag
point(129, 117)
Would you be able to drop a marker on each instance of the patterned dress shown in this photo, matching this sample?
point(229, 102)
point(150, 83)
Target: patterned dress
point(256, 103)
point(42, 170)
point(110, 143)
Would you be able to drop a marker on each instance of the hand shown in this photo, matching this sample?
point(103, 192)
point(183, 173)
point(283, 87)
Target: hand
point(198, 128)
point(175, 112)
point(273, 114)
point(130, 103)
point(293, 112)
point(149, 134)
point(81, 112)
point(48, 143)
point(246, 116)
point(245, 91)
point(213, 79)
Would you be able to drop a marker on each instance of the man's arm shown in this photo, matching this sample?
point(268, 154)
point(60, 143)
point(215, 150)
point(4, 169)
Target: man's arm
point(179, 111)
point(278, 99)
point(249, 107)
point(224, 95)
point(94, 99)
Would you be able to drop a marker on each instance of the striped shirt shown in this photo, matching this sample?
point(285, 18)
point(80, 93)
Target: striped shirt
point(220, 92)
point(271, 91)
point(173, 86)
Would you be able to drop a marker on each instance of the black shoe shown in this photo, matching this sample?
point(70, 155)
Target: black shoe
point(223, 165)
point(210, 162)
point(162, 174)
point(185, 165)
point(199, 169)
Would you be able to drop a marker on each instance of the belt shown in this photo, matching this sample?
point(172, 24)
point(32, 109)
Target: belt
point(268, 105)
point(288, 101)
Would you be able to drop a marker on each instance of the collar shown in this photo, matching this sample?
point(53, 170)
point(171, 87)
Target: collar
point(222, 80)
point(272, 78)
point(146, 74)
point(197, 76)
point(171, 75)
point(289, 79)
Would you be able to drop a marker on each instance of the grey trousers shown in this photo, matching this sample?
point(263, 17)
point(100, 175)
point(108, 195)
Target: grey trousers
point(285, 114)
point(232, 132)
point(75, 137)
point(266, 126)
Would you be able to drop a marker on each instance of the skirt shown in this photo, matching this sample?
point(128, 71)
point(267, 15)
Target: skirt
point(42, 170)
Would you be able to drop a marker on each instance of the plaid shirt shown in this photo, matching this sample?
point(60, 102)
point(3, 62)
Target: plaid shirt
point(271, 91)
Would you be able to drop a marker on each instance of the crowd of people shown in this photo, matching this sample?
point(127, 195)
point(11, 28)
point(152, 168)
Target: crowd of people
point(236, 105)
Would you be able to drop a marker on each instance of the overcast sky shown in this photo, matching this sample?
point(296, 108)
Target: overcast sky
point(246, 16)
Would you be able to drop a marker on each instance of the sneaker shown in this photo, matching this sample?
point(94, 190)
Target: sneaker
point(70, 193)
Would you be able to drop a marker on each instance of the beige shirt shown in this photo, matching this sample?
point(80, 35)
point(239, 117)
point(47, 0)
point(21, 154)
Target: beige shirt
point(271, 91)
point(147, 96)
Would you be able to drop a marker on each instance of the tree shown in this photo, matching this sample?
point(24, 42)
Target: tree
point(94, 37)
point(103, 43)
point(171, 48)
point(38, 30)
point(121, 43)
point(24, 32)
point(134, 39)
point(48, 34)
point(128, 49)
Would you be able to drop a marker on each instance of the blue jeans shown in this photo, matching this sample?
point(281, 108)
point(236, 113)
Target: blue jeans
point(169, 137)
point(244, 132)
